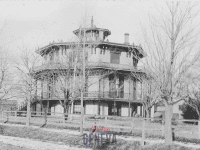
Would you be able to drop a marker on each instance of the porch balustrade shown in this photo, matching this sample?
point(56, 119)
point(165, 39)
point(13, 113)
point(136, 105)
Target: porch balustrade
point(91, 94)
point(49, 66)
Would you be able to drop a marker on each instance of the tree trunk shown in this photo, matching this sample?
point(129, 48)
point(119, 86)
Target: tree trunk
point(65, 110)
point(168, 124)
point(28, 113)
point(46, 113)
point(148, 113)
point(199, 128)
point(66, 104)
point(65, 114)
point(41, 108)
point(147, 110)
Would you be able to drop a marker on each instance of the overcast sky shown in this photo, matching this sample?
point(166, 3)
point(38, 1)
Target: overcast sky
point(36, 23)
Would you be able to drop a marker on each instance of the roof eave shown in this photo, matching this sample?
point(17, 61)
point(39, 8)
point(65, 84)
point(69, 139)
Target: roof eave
point(127, 46)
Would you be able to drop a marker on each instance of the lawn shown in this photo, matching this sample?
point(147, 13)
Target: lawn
point(77, 140)
point(183, 132)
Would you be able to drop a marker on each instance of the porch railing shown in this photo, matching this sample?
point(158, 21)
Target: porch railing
point(53, 65)
point(92, 94)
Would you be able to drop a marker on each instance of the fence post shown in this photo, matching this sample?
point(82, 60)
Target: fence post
point(143, 133)
point(132, 125)
point(199, 128)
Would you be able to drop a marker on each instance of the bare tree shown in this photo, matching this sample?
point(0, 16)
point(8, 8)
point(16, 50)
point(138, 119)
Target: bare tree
point(172, 50)
point(149, 96)
point(67, 76)
point(6, 88)
point(26, 83)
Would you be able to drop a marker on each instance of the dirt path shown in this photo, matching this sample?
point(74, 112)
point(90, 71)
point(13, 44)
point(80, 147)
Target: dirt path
point(34, 144)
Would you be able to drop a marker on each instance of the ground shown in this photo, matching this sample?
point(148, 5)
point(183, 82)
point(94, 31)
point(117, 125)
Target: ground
point(32, 138)
point(16, 143)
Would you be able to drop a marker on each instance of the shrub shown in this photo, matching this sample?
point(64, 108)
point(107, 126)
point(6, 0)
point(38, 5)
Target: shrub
point(188, 112)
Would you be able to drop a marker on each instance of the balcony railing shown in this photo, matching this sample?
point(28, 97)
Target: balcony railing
point(90, 95)
point(110, 66)
point(106, 65)
point(48, 66)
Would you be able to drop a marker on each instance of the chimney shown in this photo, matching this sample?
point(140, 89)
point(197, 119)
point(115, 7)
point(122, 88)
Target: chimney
point(126, 38)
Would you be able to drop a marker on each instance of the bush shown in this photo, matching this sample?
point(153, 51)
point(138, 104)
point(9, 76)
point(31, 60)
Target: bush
point(188, 113)
point(186, 140)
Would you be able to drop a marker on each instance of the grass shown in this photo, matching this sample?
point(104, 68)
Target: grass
point(77, 140)
point(135, 133)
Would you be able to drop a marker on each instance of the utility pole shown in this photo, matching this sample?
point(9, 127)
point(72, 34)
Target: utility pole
point(74, 78)
point(83, 82)
point(28, 98)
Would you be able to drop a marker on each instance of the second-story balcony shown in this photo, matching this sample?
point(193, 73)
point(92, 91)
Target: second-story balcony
point(93, 95)
point(110, 66)
point(105, 65)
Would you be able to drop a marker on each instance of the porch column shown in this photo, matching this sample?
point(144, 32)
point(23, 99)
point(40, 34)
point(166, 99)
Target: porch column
point(130, 109)
point(115, 108)
point(72, 107)
point(152, 112)
point(138, 110)
point(103, 113)
point(47, 107)
point(142, 108)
